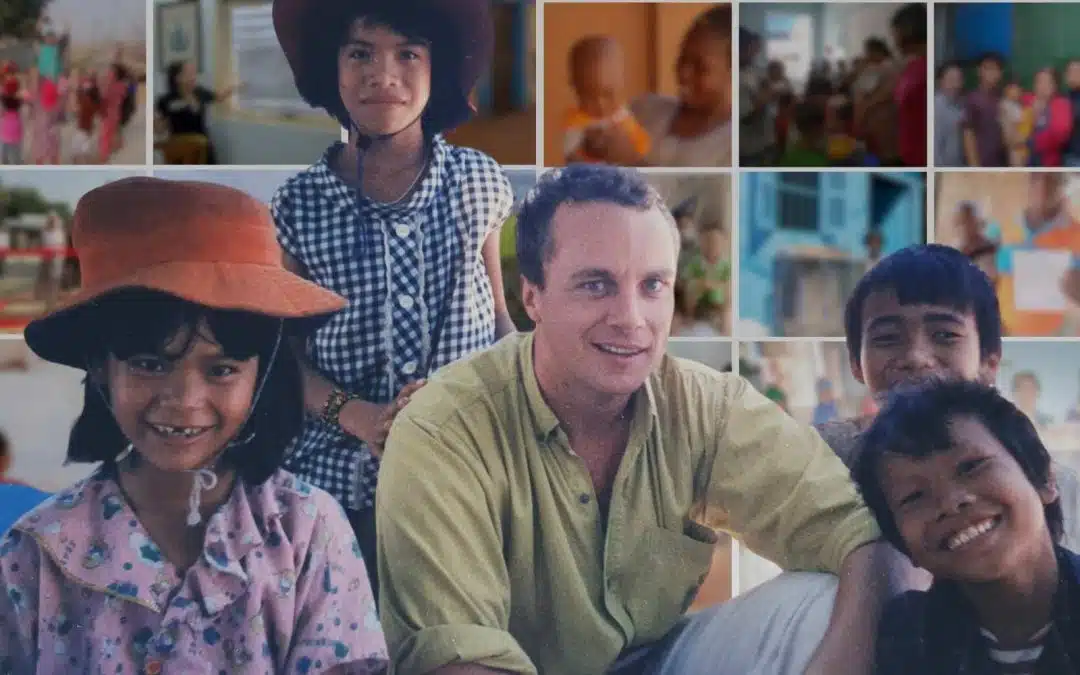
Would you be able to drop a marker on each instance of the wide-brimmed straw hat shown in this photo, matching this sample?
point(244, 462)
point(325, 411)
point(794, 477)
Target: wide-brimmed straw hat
point(463, 44)
point(208, 244)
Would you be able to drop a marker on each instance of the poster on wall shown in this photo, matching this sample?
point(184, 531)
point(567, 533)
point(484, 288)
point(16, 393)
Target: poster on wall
point(178, 33)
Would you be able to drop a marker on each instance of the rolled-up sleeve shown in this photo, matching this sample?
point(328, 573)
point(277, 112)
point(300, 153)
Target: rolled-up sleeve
point(20, 563)
point(444, 586)
point(785, 492)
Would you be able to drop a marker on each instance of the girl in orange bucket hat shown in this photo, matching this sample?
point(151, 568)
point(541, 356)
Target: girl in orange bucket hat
point(398, 220)
point(188, 549)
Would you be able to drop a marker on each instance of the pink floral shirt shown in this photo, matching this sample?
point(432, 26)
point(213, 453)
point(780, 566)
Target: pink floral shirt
point(280, 588)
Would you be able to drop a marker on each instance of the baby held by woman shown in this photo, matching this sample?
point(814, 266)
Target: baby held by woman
point(597, 74)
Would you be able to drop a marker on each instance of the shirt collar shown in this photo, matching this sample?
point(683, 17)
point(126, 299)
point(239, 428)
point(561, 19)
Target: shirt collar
point(952, 612)
point(345, 197)
point(93, 535)
point(546, 423)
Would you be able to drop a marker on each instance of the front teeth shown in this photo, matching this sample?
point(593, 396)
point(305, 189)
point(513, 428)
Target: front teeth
point(618, 351)
point(183, 432)
point(967, 534)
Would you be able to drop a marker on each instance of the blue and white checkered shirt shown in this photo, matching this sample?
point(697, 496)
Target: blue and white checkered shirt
point(394, 263)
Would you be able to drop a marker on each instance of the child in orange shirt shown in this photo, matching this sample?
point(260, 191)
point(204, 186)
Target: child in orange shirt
point(597, 74)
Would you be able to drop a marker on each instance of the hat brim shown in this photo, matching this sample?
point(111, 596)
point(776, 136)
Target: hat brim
point(59, 337)
point(469, 21)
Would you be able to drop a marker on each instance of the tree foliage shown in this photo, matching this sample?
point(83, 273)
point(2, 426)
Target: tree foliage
point(16, 201)
point(19, 18)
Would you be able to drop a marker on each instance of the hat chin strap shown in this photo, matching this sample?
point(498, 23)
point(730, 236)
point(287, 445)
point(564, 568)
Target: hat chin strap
point(204, 477)
point(364, 141)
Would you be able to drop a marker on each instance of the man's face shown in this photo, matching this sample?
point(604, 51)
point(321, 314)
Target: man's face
point(605, 309)
point(908, 344)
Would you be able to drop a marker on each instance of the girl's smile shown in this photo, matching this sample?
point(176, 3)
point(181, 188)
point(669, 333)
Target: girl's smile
point(384, 78)
point(181, 407)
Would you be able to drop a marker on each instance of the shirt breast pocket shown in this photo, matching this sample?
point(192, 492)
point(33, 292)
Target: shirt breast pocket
point(666, 569)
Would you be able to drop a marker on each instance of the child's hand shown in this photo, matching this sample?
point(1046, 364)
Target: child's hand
point(390, 411)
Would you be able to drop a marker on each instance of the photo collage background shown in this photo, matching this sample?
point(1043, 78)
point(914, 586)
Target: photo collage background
point(796, 144)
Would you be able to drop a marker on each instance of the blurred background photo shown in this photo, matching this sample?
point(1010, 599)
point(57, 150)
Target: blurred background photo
point(1023, 230)
point(72, 83)
point(832, 84)
point(1008, 82)
point(637, 84)
point(806, 238)
point(37, 265)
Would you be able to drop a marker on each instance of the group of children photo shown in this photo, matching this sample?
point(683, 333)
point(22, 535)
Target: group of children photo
point(865, 110)
point(252, 375)
point(1000, 123)
point(59, 111)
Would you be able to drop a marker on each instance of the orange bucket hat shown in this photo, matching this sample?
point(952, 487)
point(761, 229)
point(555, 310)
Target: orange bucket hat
point(208, 244)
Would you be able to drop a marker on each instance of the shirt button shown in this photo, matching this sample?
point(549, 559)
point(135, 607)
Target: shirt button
point(402, 230)
point(405, 301)
point(409, 368)
point(583, 498)
point(153, 667)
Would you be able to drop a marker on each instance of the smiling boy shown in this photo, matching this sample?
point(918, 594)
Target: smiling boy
point(959, 481)
point(924, 313)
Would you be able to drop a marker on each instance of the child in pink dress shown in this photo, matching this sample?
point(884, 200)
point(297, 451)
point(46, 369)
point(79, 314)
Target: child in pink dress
point(12, 100)
point(188, 550)
point(114, 90)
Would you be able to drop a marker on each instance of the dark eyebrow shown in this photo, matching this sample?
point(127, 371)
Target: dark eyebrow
point(942, 317)
point(886, 321)
point(592, 273)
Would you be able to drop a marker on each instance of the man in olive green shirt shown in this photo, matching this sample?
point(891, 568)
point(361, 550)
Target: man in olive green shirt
point(533, 511)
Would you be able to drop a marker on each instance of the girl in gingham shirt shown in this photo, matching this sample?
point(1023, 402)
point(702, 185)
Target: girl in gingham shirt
point(398, 221)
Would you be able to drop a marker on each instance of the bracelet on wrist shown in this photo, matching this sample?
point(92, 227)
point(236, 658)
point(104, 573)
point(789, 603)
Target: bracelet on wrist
point(331, 412)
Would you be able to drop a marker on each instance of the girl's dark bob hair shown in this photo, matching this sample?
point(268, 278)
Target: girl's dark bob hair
point(140, 322)
point(317, 77)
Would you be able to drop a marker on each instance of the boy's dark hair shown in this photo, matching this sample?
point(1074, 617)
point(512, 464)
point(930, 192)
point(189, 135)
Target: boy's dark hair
point(317, 78)
point(915, 423)
point(139, 322)
point(991, 57)
point(576, 184)
point(909, 22)
point(929, 274)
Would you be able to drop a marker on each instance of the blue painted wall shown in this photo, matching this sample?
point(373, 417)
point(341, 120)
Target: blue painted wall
point(980, 28)
point(844, 206)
